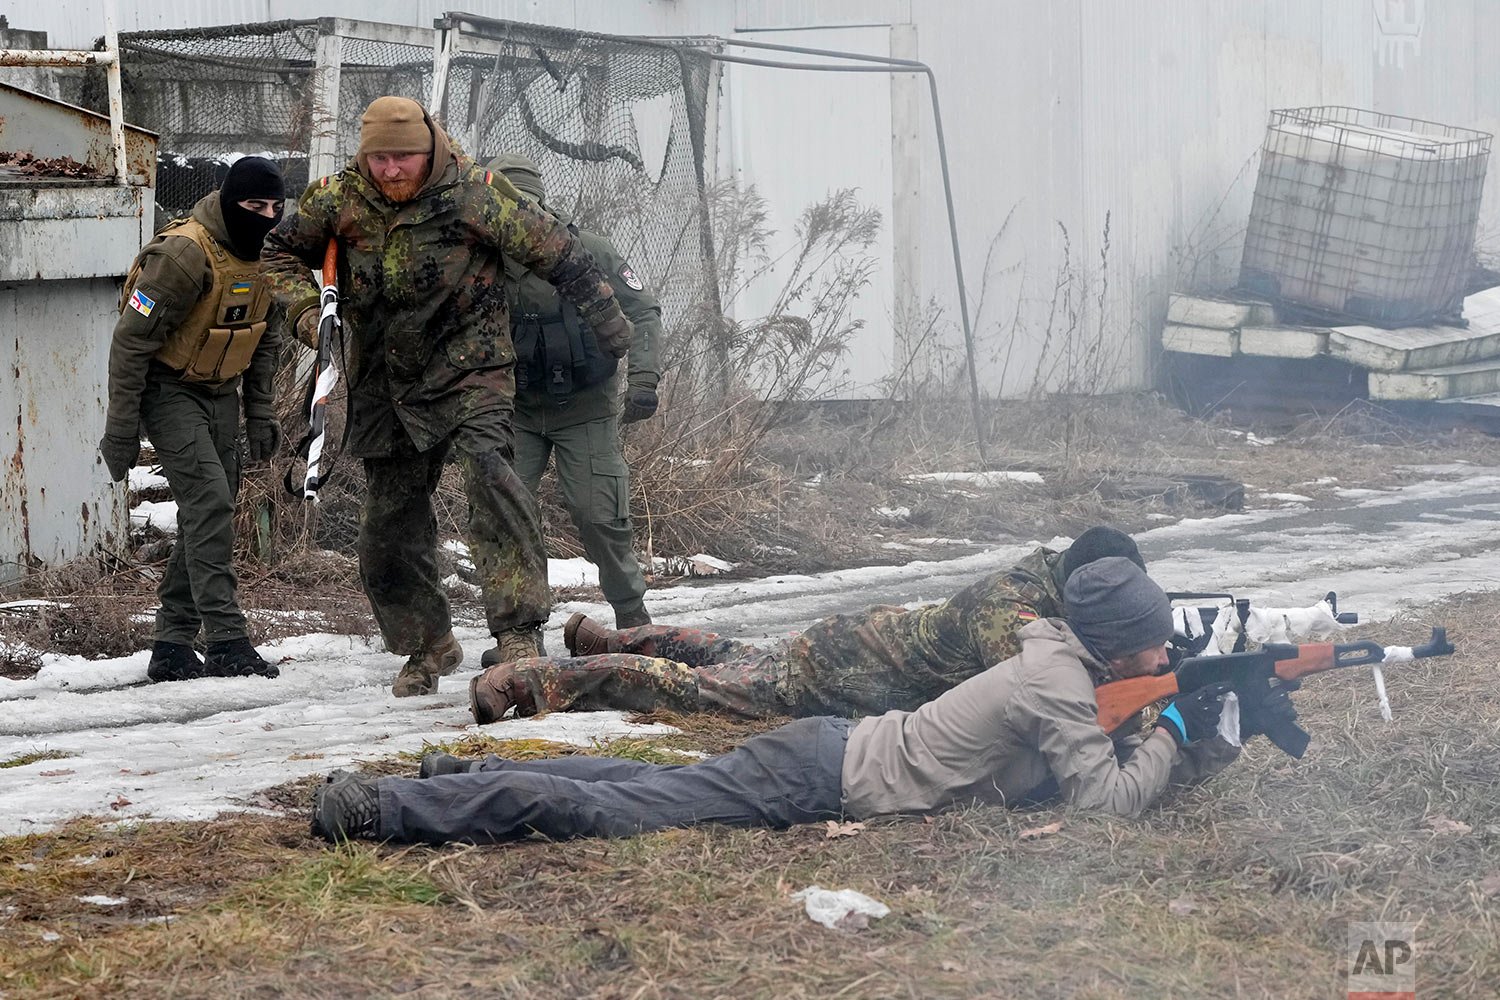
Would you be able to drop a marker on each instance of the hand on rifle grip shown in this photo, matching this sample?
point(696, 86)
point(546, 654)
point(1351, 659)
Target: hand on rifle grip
point(1194, 715)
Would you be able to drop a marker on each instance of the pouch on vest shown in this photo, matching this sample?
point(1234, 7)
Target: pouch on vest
point(558, 354)
point(218, 337)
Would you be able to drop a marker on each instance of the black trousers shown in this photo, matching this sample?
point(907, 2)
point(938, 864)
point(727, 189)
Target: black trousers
point(789, 775)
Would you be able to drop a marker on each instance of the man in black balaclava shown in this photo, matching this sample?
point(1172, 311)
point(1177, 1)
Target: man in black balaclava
point(192, 332)
point(251, 200)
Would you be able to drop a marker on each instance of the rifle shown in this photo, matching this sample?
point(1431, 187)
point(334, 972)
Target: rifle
point(1252, 676)
point(325, 376)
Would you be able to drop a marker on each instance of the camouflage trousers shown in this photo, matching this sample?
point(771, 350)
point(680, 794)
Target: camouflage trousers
point(398, 538)
point(662, 666)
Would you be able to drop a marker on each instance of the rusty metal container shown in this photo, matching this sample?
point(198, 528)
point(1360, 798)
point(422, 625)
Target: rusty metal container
point(69, 229)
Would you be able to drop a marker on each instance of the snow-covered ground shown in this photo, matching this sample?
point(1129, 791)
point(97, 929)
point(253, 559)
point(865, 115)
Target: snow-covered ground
point(195, 748)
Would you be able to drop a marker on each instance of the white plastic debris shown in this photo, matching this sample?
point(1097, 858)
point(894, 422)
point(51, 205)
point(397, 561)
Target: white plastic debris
point(1229, 719)
point(703, 564)
point(841, 909)
point(1393, 654)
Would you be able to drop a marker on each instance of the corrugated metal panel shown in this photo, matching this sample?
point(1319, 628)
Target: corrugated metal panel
point(778, 15)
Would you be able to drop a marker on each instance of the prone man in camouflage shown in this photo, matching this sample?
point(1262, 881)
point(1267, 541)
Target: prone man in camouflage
point(877, 660)
point(567, 404)
point(421, 230)
point(192, 333)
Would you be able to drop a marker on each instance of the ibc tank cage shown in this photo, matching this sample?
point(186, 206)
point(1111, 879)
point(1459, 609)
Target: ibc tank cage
point(1365, 216)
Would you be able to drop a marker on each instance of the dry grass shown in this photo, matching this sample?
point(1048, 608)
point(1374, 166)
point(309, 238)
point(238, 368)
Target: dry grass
point(1239, 888)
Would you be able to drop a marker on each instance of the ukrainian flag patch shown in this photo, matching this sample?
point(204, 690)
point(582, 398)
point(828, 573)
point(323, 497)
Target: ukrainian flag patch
point(141, 302)
point(241, 287)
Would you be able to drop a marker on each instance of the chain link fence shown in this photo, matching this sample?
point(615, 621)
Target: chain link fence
point(618, 126)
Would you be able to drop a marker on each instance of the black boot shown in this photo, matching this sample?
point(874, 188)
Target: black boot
point(345, 807)
point(172, 661)
point(236, 658)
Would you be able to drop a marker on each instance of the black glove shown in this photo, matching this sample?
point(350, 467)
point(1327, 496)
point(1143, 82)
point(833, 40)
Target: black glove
point(1194, 716)
point(614, 334)
point(120, 452)
point(262, 438)
point(640, 404)
point(1274, 709)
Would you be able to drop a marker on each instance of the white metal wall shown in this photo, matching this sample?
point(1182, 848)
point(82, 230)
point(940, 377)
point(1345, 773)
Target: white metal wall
point(1057, 112)
point(1153, 111)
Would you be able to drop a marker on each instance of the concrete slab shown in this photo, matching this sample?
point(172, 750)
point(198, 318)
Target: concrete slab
point(1421, 348)
point(1283, 341)
point(1200, 340)
point(1472, 379)
point(1218, 314)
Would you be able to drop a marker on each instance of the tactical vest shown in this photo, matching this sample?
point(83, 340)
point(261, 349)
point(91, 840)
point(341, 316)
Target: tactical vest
point(556, 351)
point(215, 341)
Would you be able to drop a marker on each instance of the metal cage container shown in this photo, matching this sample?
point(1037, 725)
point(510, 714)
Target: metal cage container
point(1365, 216)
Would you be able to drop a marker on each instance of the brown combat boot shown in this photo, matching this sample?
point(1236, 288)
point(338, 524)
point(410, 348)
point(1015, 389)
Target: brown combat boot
point(585, 637)
point(519, 643)
point(493, 692)
point(421, 671)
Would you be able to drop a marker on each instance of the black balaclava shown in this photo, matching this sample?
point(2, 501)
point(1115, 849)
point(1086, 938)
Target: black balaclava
point(250, 177)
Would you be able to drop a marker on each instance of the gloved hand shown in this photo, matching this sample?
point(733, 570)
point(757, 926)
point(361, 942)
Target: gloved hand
point(614, 334)
point(640, 404)
point(121, 452)
point(262, 438)
point(1194, 716)
point(307, 328)
point(1274, 709)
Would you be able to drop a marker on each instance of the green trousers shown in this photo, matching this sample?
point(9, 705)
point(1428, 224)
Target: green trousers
point(398, 537)
point(595, 484)
point(195, 432)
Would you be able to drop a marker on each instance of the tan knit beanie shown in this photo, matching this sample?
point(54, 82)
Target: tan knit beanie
point(394, 125)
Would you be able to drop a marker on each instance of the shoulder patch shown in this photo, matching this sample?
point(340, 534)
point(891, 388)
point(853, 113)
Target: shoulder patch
point(325, 181)
point(628, 275)
point(1026, 614)
point(141, 302)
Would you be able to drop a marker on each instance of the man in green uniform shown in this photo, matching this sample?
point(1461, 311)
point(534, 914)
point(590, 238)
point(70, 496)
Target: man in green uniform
point(193, 331)
point(879, 659)
point(420, 231)
point(567, 404)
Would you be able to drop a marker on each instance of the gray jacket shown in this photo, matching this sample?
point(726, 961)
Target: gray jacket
point(1004, 732)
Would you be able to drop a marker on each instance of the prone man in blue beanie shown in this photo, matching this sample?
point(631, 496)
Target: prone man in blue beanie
point(1008, 734)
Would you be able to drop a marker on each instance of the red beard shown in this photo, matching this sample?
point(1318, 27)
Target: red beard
point(400, 192)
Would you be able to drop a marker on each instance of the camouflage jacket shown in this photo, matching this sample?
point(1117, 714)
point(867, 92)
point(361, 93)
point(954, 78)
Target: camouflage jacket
point(889, 657)
point(422, 294)
point(174, 275)
point(536, 408)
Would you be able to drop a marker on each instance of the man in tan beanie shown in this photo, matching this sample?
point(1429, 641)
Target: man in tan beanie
point(421, 230)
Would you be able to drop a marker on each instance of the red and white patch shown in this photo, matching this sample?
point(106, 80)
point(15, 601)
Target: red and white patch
point(628, 275)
